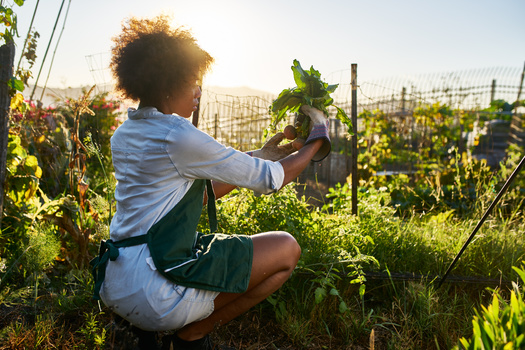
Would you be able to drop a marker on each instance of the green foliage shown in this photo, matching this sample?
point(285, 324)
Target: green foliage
point(417, 144)
point(57, 193)
point(9, 19)
point(311, 91)
point(464, 186)
point(23, 172)
point(426, 162)
point(93, 331)
point(500, 325)
point(41, 248)
point(503, 109)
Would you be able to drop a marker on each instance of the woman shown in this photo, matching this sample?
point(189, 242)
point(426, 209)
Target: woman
point(156, 271)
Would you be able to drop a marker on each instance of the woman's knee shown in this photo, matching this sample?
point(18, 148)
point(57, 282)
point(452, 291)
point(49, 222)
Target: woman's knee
point(293, 247)
point(289, 248)
point(277, 246)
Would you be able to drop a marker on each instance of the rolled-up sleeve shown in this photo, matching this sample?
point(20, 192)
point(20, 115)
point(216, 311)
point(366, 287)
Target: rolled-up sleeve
point(196, 155)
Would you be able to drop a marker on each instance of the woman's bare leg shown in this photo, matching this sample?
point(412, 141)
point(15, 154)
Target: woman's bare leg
point(275, 255)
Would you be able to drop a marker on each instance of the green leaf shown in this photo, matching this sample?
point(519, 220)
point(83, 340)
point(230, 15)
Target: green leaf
point(341, 115)
point(320, 294)
point(32, 162)
point(495, 307)
point(334, 291)
point(299, 75)
point(331, 88)
point(362, 289)
point(16, 84)
point(19, 2)
point(520, 272)
point(342, 307)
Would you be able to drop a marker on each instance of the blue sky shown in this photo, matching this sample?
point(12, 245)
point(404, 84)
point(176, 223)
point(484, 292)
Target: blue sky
point(255, 42)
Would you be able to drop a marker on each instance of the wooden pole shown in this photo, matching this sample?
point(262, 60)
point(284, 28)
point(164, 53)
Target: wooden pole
point(403, 93)
point(493, 91)
point(355, 179)
point(7, 56)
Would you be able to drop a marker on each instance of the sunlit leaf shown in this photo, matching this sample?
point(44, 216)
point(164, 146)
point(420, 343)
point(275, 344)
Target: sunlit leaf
point(17, 101)
point(16, 84)
point(362, 289)
point(31, 162)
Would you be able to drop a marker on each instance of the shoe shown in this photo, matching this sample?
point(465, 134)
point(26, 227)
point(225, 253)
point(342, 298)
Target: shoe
point(147, 340)
point(173, 342)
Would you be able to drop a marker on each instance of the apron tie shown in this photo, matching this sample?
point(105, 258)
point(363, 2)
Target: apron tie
point(109, 251)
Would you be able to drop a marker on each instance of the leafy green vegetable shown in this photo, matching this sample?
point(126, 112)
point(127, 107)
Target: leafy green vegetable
point(310, 90)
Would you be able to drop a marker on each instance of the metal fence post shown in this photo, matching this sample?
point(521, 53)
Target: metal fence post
point(355, 180)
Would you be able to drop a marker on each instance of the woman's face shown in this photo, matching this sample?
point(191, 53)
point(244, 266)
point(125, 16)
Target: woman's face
point(185, 102)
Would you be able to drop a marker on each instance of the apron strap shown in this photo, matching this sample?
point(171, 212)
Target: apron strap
point(212, 209)
point(109, 251)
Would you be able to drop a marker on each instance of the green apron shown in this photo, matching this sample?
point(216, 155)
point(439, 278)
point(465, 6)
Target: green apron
point(216, 262)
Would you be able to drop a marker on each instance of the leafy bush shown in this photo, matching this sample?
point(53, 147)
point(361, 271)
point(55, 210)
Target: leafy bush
point(48, 183)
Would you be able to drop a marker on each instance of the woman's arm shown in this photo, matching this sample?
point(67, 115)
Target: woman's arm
point(220, 189)
point(293, 165)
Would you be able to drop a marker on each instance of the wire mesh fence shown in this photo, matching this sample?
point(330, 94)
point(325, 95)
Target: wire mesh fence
point(240, 121)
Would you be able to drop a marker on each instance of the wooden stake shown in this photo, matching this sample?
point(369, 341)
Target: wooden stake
point(7, 56)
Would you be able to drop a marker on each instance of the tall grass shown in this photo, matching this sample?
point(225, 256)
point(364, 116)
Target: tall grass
point(331, 296)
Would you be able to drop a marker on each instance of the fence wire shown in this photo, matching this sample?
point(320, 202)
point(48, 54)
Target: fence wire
point(240, 121)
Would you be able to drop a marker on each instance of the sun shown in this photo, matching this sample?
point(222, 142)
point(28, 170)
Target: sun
point(221, 32)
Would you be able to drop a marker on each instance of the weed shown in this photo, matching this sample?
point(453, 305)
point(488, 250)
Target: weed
point(92, 331)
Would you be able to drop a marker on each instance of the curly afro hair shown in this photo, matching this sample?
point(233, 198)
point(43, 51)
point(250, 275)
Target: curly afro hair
point(151, 60)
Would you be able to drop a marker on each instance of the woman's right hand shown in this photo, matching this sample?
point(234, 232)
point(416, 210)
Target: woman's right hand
point(320, 127)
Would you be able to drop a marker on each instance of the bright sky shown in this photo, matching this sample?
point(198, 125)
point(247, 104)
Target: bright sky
point(255, 42)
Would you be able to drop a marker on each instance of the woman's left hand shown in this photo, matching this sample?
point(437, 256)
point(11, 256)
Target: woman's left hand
point(273, 151)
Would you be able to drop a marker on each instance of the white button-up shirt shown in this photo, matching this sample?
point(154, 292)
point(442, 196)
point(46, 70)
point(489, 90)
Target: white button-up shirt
point(156, 158)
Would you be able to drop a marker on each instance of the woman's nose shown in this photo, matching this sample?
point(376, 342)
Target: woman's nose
point(198, 92)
